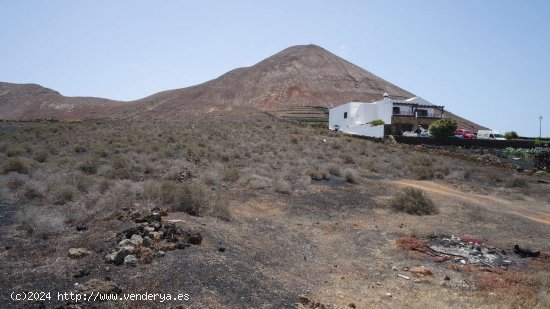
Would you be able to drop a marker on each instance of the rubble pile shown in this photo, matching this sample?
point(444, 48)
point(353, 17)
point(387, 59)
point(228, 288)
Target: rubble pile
point(467, 251)
point(149, 238)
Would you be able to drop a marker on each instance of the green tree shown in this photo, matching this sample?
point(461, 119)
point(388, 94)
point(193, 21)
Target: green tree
point(511, 135)
point(443, 127)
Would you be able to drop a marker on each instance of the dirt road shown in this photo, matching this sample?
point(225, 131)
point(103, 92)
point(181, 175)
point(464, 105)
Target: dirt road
point(520, 208)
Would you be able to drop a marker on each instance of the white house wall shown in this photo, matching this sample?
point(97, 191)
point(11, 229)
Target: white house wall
point(359, 114)
point(336, 117)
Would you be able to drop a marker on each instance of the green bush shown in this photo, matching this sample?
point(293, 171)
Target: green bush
point(511, 135)
point(377, 122)
point(413, 201)
point(443, 127)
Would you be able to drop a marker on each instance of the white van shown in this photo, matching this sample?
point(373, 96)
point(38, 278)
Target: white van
point(490, 134)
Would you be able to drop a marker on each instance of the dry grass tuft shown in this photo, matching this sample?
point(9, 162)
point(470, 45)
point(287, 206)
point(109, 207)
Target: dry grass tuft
point(15, 165)
point(413, 201)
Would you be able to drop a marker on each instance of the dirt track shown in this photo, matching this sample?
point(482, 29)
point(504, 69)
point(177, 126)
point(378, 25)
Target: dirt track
point(519, 208)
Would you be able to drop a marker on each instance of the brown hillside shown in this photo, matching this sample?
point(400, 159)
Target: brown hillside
point(304, 75)
point(31, 101)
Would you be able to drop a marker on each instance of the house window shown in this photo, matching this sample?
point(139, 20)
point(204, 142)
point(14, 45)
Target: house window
point(345, 115)
point(421, 112)
point(396, 111)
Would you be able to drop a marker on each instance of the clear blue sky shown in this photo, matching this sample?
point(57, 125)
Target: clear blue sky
point(488, 61)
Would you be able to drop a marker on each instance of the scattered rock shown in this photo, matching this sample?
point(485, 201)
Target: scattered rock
point(76, 253)
point(125, 242)
point(195, 238)
point(403, 276)
point(131, 260)
point(146, 256)
point(420, 271)
point(136, 239)
point(148, 242)
point(388, 295)
point(157, 235)
point(524, 252)
point(122, 253)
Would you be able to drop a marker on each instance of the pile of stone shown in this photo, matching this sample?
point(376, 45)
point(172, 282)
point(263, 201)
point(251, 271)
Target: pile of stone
point(466, 251)
point(150, 238)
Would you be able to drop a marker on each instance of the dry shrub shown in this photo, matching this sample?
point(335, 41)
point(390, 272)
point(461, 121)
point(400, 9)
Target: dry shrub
point(187, 197)
point(13, 151)
point(120, 162)
point(424, 173)
point(15, 165)
point(348, 159)
point(413, 201)
point(42, 222)
point(517, 182)
point(319, 174)
point(230, 174)
point(334, 170)
point(352, 176)
point(30, 192)
point(105, 185)
point(211, 178)
point(83, 182)
point(14, 181)
point(63, 194)
point(89, 166)
point(41, 155)
point(259, 182)
point(220, 210)
point(282, 186)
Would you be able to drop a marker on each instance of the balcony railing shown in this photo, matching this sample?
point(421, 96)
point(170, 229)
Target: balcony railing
point(419, 115)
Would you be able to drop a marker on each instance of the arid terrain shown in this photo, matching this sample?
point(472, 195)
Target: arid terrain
point(247, 211)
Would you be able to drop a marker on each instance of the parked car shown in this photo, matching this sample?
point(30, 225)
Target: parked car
point(423, 133)
point(464, 133)
point(490, 134)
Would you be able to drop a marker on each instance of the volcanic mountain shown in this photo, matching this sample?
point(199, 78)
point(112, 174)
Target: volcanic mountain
point(31, 101)
point(304, 75)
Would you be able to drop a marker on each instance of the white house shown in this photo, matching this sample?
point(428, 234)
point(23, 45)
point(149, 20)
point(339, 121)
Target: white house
point(398, 115)
point(355, 117)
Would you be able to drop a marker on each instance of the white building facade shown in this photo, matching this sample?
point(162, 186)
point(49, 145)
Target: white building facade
point(355, 117)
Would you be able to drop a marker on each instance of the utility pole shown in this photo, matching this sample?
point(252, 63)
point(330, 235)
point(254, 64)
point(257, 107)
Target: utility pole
point(540, 127)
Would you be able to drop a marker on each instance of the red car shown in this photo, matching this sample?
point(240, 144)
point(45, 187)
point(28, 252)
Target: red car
point(464, 133)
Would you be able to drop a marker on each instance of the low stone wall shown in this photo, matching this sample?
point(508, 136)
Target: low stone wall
point(463, 142)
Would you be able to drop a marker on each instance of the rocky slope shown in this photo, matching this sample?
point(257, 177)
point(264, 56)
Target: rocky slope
point(304, 75)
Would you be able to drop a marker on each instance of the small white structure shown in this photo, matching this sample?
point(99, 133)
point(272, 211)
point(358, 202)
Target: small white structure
point(355, 117)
